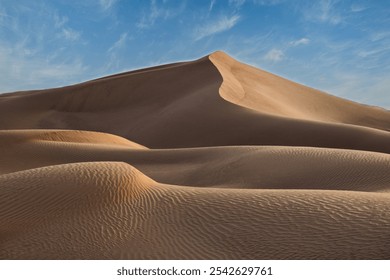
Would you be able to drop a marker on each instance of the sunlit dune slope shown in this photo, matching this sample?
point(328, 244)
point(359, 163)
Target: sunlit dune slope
point(267, 93)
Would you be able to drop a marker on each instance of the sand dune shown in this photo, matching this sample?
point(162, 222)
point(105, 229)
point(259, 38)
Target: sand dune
point(180, 106)
point(111, 210)
point(209, 159)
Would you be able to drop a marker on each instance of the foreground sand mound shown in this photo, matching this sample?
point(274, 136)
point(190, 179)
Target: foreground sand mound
point(208, 159)
point(65, 211)
point(111, 210)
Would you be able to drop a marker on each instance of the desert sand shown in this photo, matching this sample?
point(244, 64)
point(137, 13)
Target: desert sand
point(207, 159)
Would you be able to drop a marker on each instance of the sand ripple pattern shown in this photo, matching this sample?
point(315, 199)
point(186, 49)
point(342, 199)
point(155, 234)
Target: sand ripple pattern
point(111, 210)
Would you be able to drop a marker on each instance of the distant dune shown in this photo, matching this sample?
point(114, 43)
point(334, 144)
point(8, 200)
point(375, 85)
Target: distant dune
point(208, 159)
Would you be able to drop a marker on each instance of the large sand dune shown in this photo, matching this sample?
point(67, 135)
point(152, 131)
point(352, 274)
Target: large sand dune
point(204, 159)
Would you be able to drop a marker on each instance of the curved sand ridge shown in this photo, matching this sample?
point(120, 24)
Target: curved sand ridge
point(281, 170)
point(65, 136)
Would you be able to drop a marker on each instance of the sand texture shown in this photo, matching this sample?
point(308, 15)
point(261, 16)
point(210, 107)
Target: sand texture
point(208, 159)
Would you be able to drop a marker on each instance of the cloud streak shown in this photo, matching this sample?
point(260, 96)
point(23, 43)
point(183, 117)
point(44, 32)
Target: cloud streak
point(323, 11)
point(236, 3)
point(302, 41)
point(158, 12)
point(114, 60)
point(120, 43)
point(70, 34)
point(107, 4)
point(21, 71)
point(212, 3)
point(274, 55)
point(222, 24)
point(38, 54)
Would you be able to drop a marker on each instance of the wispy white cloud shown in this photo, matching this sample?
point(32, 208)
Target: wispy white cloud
point(378, 36)
point(274, 55)
point(21, 70)
point(324, 11)
point(212, 3)
point(37, 54)
point(356, 8)
point(70, 34)
point(3, 17)
point(158, 12)
point(114, 53)
point(327, 12)
point(302, 41)
point(239, 3)
point(63, 31)
point(59, 21)
point(107, 4)
point(236, 3)
point(360, 88)
point(120, 43)
point(267, 2)
point(222, 24)
point(374, 52)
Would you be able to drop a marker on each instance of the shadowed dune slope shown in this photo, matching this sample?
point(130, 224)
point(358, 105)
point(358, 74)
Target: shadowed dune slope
point(111, 210)
point(183, 105)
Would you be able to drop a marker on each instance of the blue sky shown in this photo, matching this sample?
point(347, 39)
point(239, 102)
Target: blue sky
point(342, 47)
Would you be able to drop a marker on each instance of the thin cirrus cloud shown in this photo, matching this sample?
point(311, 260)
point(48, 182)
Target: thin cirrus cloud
point(222, 24)
point(70, 34)
point(236, 3)
point(323, 11)
point(277, 54)
point(114, 52)
point(33, 48)
point(212, 3)
point(35, 70)
point(120, 43)
point(302, 41)
point(356, 8)
point(107, 4)
point(239, 3)
point(274, 55)
point(158, 11)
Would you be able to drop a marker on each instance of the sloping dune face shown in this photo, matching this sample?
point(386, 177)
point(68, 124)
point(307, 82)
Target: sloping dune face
point(267, 93)
point(209, 159)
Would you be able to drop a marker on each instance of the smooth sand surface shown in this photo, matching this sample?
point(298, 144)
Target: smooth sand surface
point(208, 159)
